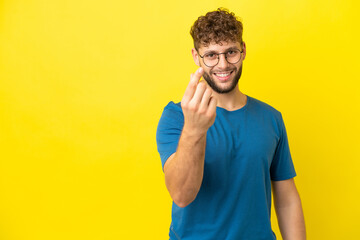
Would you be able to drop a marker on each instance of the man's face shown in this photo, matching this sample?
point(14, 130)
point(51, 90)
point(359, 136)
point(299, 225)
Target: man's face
point(223, 77)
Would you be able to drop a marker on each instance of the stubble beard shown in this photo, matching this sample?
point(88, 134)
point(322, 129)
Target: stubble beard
point(219, 90)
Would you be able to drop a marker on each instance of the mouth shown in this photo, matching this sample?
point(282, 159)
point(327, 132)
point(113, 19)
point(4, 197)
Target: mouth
point(223, 76)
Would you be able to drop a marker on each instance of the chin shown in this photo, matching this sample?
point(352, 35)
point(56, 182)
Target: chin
point(212, 82)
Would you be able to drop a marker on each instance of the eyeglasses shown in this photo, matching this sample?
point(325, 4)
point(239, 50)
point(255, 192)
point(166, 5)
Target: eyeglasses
point(212, 59)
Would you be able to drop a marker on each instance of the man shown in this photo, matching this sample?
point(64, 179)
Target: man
point(222, 151)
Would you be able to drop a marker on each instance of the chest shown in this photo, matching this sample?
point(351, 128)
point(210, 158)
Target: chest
point(240, 145)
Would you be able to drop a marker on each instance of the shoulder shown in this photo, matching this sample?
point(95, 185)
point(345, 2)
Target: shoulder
point(266, 112)
point(173, 110)
point(172, 114)
point(263, 107)
point(171, 106)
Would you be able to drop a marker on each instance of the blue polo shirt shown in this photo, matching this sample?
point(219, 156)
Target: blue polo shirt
point(246, 149)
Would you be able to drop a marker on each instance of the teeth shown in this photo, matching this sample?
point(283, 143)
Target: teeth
point(222, 74)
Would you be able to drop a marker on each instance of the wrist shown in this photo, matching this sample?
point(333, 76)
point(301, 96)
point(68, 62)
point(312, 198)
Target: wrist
point(192, 135)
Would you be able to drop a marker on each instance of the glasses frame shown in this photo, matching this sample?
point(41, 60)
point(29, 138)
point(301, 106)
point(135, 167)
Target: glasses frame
point(218, 57)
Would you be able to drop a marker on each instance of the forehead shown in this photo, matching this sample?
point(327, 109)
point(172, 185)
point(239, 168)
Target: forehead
point(219, 47)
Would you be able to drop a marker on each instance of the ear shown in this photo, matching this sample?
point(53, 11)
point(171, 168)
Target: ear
point(195, 56)
point(244, 51)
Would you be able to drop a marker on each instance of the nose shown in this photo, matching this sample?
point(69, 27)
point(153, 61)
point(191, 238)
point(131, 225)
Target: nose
point(223, 63)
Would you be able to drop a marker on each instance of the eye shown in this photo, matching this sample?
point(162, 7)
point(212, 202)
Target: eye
point(210, 55)
point(231, 52)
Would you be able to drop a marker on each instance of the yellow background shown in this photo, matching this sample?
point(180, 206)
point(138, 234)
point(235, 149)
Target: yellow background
point(83, 85)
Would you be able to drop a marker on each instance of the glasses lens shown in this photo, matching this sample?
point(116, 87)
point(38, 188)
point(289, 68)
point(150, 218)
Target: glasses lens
point(210, 59)
point(233, 56)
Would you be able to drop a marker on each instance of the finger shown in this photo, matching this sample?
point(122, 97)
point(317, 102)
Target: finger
point(194, 79)
point(197, 75)
point(200, 89)
point(212, 105)
point(205, 100)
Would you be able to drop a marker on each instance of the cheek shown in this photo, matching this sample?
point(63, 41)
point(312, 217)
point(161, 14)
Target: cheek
point(209, 72)
point(207, 76)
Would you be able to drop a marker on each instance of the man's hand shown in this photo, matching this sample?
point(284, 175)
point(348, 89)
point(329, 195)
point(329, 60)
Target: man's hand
point(198, 106)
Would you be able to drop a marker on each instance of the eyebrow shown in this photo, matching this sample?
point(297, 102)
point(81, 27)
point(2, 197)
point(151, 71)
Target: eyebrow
point(226, 50)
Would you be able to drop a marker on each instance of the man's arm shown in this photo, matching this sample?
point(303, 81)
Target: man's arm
point(288, 210)
point(184, 169)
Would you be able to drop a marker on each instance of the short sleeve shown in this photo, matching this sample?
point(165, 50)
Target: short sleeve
point(169, 130)
point(282, 166)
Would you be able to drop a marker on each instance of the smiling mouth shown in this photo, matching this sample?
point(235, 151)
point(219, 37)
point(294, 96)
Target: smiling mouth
point(223, 76)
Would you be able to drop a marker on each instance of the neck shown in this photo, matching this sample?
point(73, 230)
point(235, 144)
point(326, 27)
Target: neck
point(231, 101)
